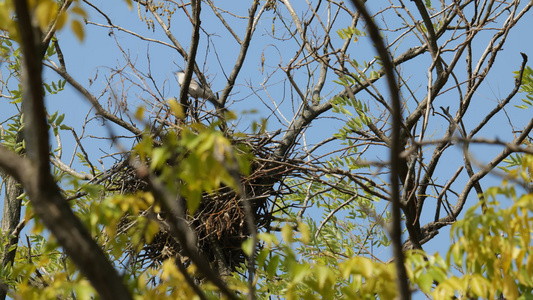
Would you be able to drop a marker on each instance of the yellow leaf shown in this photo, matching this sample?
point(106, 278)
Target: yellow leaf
point(529, 264)
point(45, 12)
point(347, 266)
point(479, 286)
point(299, 272)
point(59, 278)
point(518, 256)
point(78, 29)
point(5, 19)
point(130, 5)
point(139, 113)
point(456, 283)
point(37, 228)
point(176, 108)
point(248, 247)
point(443, 291)
point(509, 288)
point(367, 267)
point(286, 233)
point(28, 213)
point(305, 234)
point(169, 270)
point(151, 230)
point(84, 290)
point(79, 11)
point(148, 197)
point(44, 260)
point(425, 282)
point(61, 20)
point(323, 276)
point(193, 200)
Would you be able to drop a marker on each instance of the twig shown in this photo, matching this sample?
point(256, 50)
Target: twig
point(219, 16)
point(252, 19)
point(333, 212)
point(444, 190)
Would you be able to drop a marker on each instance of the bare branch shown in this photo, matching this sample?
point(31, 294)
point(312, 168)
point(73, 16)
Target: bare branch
point(396, 227)
point(252, 19)
point(99, 109)
point(219, 16)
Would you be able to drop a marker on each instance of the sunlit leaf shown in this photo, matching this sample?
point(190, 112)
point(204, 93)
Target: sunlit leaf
point(77, 28)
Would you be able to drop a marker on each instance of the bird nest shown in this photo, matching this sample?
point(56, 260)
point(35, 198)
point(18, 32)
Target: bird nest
point(220, 222)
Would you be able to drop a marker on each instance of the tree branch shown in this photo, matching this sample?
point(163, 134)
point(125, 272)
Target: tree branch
point(242, 54)
point(34, 173)
point(61, 71)
point(395, 149)
point(191, 58)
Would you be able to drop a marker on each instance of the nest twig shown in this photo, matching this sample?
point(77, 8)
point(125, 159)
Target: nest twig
point(220, 221)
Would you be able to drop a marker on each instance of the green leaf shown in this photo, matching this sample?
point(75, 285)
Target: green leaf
point(438, 274)
point(60, 119)
point(53, 117)
point(299, 272)
point(272, 266)
point(286, 233)
point(47, 87)
point(479, 286)
point(323, 274)
point(261, 257)
point(424, 282)
point(159, 156)
point(248, 247)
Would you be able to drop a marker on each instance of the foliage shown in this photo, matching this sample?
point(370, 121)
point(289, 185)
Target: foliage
point(199, 204)
point(527, 87)
point(492, 249)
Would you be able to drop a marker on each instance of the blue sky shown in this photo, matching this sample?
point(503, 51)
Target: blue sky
point(97, 54)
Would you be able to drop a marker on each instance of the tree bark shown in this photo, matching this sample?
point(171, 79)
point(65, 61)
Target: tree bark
point(10, 220)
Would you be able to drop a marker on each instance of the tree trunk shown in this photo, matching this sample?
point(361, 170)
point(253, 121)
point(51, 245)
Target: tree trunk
point(10, 220)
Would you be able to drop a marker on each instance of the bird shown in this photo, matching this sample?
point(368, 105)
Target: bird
point(196, 89)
